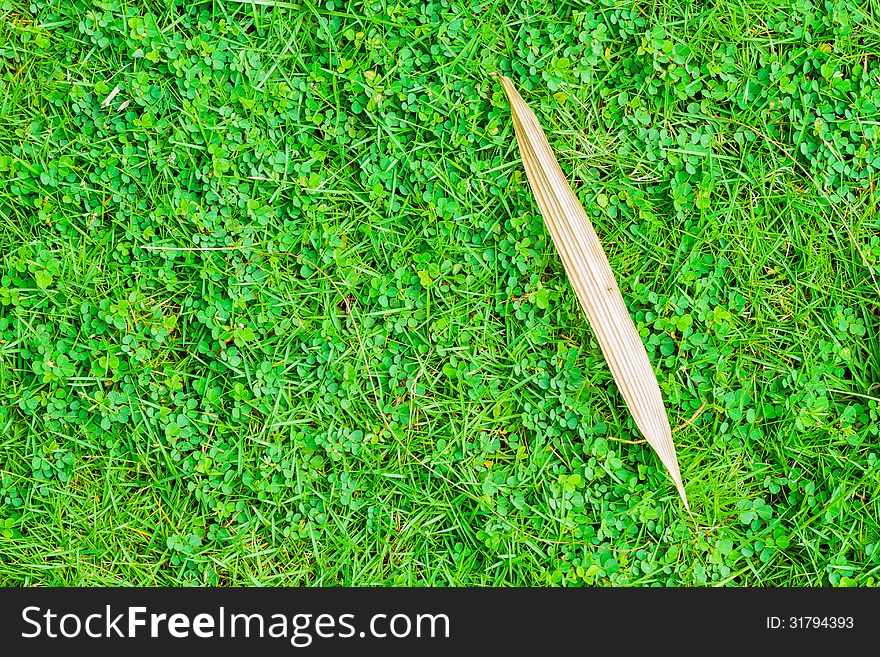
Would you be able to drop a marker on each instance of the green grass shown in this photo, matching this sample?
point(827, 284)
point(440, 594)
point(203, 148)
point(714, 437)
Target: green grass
point(284, 311)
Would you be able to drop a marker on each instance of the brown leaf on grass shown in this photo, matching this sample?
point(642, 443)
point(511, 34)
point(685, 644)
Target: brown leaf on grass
point(593, 281)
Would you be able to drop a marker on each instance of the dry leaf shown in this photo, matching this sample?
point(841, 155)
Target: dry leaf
point(593, 281)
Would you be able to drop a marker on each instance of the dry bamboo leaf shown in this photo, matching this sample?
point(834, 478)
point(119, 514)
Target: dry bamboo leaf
point(593, 281)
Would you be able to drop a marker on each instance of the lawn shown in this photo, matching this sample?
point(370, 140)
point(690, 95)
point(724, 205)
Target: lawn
point(277, 305)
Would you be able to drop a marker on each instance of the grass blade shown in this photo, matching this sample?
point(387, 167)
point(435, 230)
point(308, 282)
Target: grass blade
point(593, 281)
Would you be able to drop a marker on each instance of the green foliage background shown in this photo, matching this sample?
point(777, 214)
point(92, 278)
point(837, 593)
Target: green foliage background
point(282, 310)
